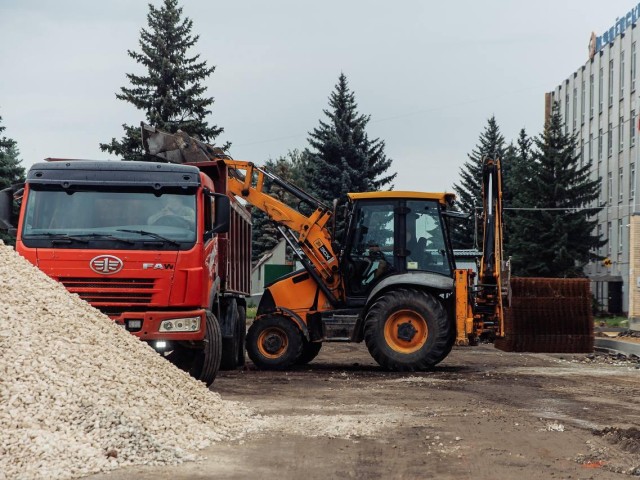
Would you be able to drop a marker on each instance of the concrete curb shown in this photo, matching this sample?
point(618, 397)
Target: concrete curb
point(617, 346)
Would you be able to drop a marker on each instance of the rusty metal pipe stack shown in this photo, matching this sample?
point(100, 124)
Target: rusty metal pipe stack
point(551, 315)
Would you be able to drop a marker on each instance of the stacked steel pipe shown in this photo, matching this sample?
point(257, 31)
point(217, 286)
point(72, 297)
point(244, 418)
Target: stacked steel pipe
point(550, 315)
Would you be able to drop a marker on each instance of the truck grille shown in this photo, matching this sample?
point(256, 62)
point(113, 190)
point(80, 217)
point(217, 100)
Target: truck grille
point(111, 290)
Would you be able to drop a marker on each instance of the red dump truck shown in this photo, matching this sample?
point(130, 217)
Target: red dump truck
point(160, 248)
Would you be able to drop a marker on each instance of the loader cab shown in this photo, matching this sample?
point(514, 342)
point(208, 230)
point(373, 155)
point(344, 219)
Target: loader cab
point(394, 233)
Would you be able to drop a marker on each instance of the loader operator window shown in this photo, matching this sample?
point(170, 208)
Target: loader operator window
point(371, 256)
point(86, 219)
point(425, 239)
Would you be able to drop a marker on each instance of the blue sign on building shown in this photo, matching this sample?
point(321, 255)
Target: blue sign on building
point(618, 28)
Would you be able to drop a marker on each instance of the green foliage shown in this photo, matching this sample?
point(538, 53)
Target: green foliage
point(514, 171)
point(342, 158)
point(290, 168)
point(10, 171)
point(171, 93)
point(469, 189)
point(557, 240)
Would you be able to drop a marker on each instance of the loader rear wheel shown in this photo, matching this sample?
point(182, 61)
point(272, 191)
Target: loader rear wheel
point(274, 343)
point(207, 361)
point(407, 330)
point(310, 350)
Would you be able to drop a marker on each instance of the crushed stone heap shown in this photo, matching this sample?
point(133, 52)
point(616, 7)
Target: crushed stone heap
point(79, 394)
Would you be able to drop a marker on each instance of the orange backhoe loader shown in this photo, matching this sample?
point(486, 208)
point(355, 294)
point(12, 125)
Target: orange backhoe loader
point(393, 284)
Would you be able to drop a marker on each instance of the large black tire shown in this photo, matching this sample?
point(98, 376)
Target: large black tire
point(407, 330)
point(231, 346)
point(242, 334)
point(207, 361)
point(310, 350)
point(274, 343)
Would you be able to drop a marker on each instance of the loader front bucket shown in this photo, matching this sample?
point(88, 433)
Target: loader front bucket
point(177, 147)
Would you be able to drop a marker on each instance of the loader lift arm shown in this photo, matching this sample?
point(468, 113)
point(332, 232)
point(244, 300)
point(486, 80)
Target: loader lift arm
point(307, 234)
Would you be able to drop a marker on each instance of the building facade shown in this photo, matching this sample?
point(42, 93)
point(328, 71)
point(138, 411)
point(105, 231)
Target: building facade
point(600, 104)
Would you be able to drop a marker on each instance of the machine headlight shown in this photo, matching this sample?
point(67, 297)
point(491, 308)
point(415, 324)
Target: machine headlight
point(189, 324)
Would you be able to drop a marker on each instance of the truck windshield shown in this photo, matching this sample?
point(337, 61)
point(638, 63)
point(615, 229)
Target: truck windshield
point(120, 216)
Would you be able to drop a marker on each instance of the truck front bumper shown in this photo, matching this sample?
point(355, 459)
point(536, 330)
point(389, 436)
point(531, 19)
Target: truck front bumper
point(188, 325)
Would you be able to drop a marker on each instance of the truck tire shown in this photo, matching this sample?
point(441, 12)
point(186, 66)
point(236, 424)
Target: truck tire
point(407, 330)
point(274, 343)
point(310, 350)
point(207, 361)
point(231, 346)
point(242, 334)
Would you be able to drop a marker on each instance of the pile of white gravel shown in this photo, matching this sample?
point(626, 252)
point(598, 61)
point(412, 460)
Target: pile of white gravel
point(78, 394)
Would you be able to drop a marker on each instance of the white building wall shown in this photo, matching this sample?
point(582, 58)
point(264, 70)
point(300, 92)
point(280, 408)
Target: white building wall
point(603, 114)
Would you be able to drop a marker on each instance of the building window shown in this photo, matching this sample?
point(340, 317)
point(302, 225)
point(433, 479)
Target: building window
point(611, 82)
point(610, 140)
point(600, 90)
point(581, 152)
point(566, 113)
point(621, 74)
point(575, 107)
point(582, 102)
point(620, 180)
point(599, 238)
point(590, 147)
point(591, 89)
point(632, 128)
point(609, 232)
point(633, 67)
point(621, 134)
point(632, 181)
point(610, 188)
point(620, 234)
point(600, 135)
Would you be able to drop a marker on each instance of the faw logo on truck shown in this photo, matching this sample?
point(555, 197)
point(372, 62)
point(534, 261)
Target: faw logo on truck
point(106, 264)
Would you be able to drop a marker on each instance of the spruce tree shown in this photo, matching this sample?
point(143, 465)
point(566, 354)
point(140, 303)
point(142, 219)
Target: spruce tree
point(556, 238)
point(342, 158)
point(469, 188)
point(516, 162)
point(10, 170)
point(171, 94)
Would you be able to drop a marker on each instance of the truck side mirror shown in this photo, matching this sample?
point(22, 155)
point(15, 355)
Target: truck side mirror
point(6, 210)
point(222, 205)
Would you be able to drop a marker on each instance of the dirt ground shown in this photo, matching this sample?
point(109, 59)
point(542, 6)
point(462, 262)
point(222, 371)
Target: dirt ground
point(482, 414)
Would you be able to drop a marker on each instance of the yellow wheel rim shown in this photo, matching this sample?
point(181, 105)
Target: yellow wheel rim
point(272, 342)
point(406, 331)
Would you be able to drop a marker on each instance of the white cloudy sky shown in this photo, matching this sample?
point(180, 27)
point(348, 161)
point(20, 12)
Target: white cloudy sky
point(429, 73)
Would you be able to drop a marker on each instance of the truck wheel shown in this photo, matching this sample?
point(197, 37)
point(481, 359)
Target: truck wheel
point(274, 343)
point(242, 334)
point(231, 346)
point(310, 350)
point(407, 330)
point(207, 361)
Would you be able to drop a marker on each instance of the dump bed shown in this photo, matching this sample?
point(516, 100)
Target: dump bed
point(234, 247)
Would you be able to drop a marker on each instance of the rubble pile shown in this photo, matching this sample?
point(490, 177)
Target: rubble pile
point(78, 394)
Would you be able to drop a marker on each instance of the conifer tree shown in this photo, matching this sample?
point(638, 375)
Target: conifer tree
point(171, 93)
point(342, 158)
point(469, 188)
point(556, 239)
point(10, 170)
point(514, 171)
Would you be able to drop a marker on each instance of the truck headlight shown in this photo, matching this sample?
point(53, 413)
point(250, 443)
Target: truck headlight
point(189, 324)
